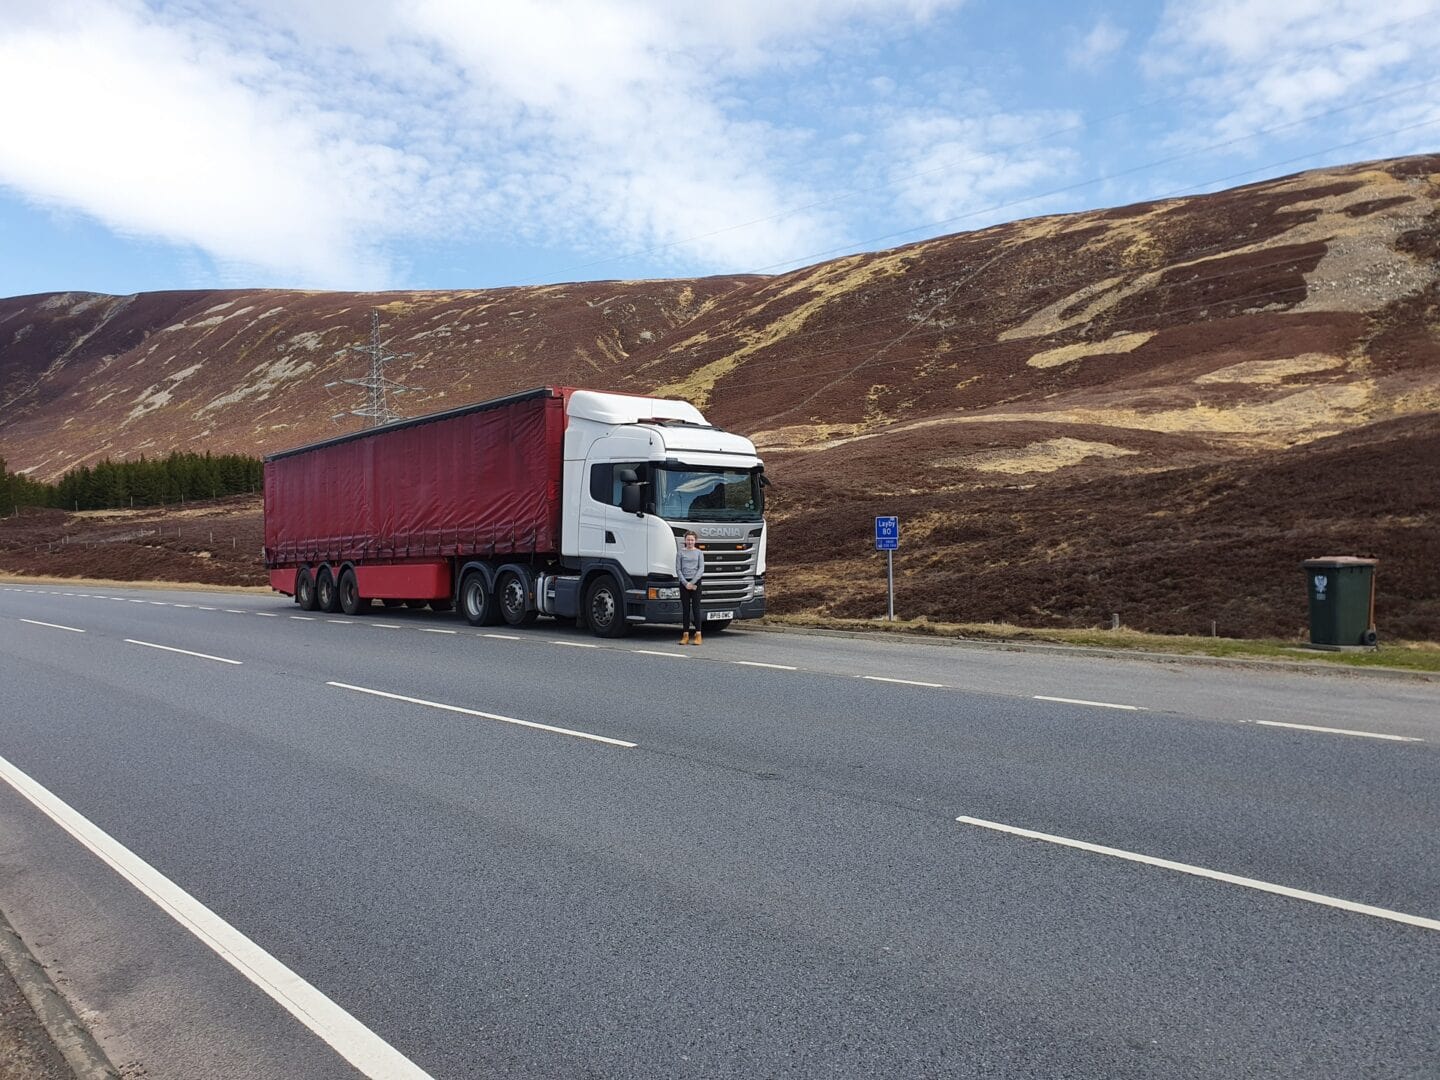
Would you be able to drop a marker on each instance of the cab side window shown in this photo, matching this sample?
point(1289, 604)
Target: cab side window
point(605, 482)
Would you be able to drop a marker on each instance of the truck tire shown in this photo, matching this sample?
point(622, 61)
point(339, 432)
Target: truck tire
point(476, 603)
point(605, 608)
point(327, 597)
point(305, 590)
point(351, 602)
point(514, 600)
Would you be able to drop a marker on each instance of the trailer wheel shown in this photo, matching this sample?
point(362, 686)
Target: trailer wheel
point(514, 600)
point(605, 608)
point(327, 597)
point(305, 590)
point(476, 603)
point(351, 602)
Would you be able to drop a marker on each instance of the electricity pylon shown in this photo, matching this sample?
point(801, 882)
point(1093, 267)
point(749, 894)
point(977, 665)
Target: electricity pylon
point(378, 386)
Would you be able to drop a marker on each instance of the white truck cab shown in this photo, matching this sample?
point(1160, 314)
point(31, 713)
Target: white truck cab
point(639, 473)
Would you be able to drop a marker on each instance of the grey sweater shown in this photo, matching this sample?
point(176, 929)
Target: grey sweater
point(689, 565)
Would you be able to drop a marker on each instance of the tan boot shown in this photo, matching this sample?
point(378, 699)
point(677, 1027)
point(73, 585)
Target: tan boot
point(698, 638)
point(685, 638)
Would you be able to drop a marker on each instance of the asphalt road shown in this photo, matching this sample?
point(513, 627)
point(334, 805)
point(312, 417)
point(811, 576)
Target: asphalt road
point(742, 860)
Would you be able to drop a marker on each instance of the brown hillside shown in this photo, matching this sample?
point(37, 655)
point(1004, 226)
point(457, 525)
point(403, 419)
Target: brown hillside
point(1157, 410)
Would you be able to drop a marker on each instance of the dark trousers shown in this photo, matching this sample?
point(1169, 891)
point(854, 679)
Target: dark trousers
point(689, 607)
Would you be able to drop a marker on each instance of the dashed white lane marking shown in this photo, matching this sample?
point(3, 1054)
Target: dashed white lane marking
point(304, 618)
point(134, 601)
point(1334, 731)
point(341, 622)
point(656, 652)
point(1094, 704)
point(1214, 875)
point(386, 626)
point(266, 614)
point(183, 652)
point(502, 637)
point(202, 607)
point(757, 663)
point(352, 1040)
point(157, 603)
point(576, 644)
point(183, 605)
point(233, 611)
point(484, 715)
point(434, 630)
point(903, 682)
point(53, 625)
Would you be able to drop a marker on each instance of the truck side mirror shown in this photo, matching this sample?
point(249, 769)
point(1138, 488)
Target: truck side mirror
point(630, 498)
point(628, 476)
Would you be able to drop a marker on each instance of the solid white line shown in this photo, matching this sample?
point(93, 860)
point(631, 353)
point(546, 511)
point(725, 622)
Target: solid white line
point(906, 682)
point(433, 630)
point(53, 626)
point(653, 652)
point(1334, 731)
point(1096, 704)
point(757, 663)
point(1214, 875)
point(484, 715)
point(183, 652)
point(352, 1040)
point(502, 637)
point(576, 644)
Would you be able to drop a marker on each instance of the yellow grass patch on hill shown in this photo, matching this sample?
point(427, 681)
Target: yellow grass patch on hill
point(1267, 372)
point(1048, 456)
point(1120, 343)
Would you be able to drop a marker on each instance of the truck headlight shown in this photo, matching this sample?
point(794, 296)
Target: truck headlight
point(759, 588)
point(665, 594)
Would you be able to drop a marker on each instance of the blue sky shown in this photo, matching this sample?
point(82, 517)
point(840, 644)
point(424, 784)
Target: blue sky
point(440, 144)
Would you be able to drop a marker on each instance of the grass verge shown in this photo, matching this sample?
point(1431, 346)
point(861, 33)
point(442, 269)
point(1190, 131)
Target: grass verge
point(1407, 655)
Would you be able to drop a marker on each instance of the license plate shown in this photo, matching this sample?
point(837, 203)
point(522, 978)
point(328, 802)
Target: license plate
point(711, 616)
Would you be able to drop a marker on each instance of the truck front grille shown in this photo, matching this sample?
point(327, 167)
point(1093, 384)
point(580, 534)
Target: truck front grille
point(729, 570)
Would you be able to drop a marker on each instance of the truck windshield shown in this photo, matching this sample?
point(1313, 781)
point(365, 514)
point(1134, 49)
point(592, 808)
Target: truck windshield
point(697, 494)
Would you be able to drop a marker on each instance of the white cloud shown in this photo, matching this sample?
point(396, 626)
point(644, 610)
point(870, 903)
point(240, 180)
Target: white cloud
point(948, 166)
point(301, 139)
point(1251, 65)
point(1103, 41)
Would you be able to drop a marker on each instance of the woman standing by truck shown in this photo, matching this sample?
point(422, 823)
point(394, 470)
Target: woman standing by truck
point(690, 568)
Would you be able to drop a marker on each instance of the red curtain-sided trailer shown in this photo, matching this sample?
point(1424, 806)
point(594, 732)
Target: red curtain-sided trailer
point(402, 507)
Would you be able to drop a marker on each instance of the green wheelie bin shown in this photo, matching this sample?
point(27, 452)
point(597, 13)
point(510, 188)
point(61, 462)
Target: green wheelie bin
point(1342, 601)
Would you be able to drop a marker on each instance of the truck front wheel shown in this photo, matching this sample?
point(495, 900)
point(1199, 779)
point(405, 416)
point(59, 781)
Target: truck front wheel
point(476, 602)
point(605, 609)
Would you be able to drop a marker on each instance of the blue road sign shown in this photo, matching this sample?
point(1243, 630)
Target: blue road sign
point(887, 534)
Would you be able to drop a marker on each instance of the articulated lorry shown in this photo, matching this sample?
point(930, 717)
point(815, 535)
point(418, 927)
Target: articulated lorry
point(558, 502)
